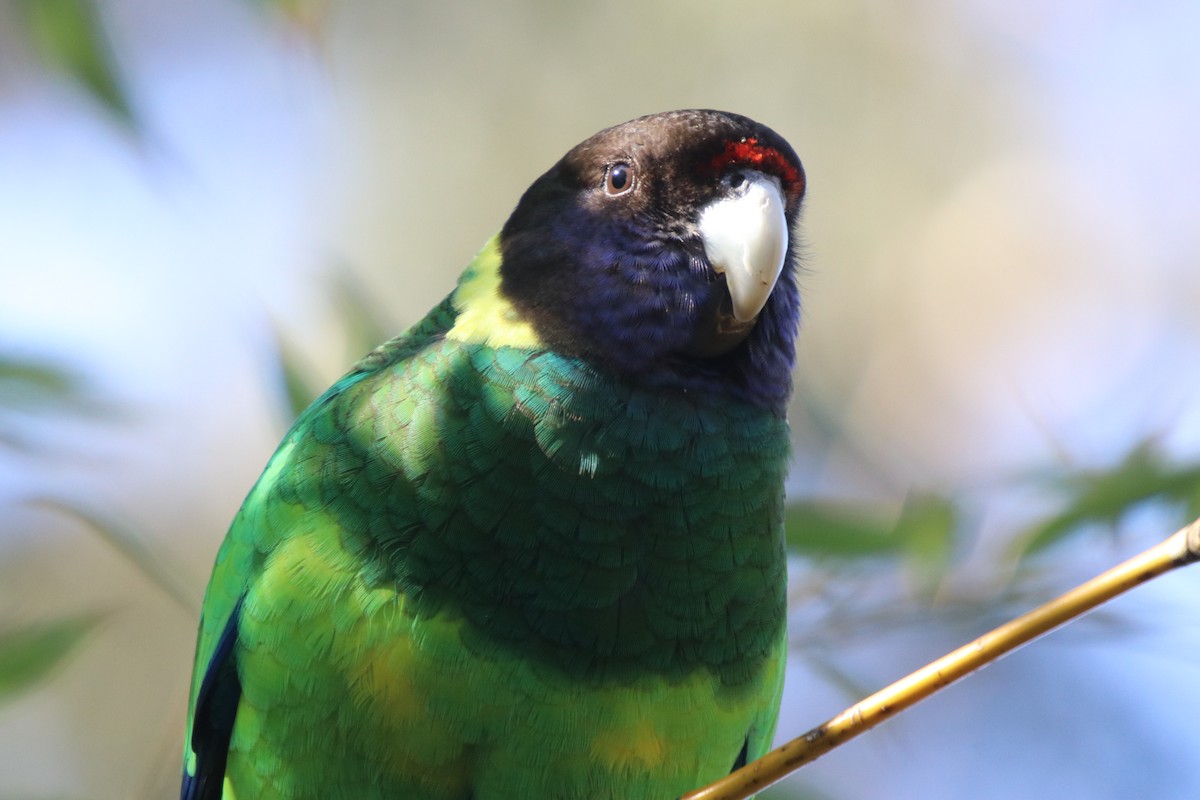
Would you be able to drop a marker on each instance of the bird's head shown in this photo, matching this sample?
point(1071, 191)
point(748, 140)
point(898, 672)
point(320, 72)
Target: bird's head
point(664, 248)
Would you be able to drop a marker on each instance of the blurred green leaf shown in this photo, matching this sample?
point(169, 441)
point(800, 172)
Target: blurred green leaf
point(839, 530)
point(39, 388)
point(365, 325)
point(924, 530)
point(28, 654)
point(173, 579)
point(927, 530)
point(1104, 497)
point(299, 389)
point(36, 384)
point(69, 35)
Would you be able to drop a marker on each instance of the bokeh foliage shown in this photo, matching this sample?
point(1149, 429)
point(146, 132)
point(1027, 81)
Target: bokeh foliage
point(855, 542)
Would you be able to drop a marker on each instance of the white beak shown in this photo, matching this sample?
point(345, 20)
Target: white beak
point(746, 240)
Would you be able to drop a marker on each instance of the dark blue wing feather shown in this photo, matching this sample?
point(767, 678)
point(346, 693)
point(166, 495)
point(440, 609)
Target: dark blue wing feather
point(216, 709)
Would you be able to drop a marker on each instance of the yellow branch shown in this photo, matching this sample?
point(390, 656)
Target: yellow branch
point(1180, 549)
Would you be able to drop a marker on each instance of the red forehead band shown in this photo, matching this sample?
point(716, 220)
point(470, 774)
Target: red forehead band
point(752, 154)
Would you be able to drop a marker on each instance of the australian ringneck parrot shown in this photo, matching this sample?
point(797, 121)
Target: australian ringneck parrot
point(533, 547)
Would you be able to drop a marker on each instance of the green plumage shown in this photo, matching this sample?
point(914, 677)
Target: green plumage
point(475, 570)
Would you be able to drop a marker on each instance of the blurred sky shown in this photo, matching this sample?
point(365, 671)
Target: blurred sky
point(1001, 273)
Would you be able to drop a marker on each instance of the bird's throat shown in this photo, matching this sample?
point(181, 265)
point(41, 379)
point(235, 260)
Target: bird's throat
point(717, 329)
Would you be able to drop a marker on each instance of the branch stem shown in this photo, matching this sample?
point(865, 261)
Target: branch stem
point(1180, 549)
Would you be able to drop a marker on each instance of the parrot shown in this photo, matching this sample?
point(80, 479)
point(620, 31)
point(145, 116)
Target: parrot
point(533, 547)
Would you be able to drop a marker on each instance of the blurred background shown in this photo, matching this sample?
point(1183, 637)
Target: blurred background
point(209, 210)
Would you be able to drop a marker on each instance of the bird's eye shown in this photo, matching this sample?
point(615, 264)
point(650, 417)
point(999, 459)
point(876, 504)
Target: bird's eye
point(619, 179)
point(736, 179)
